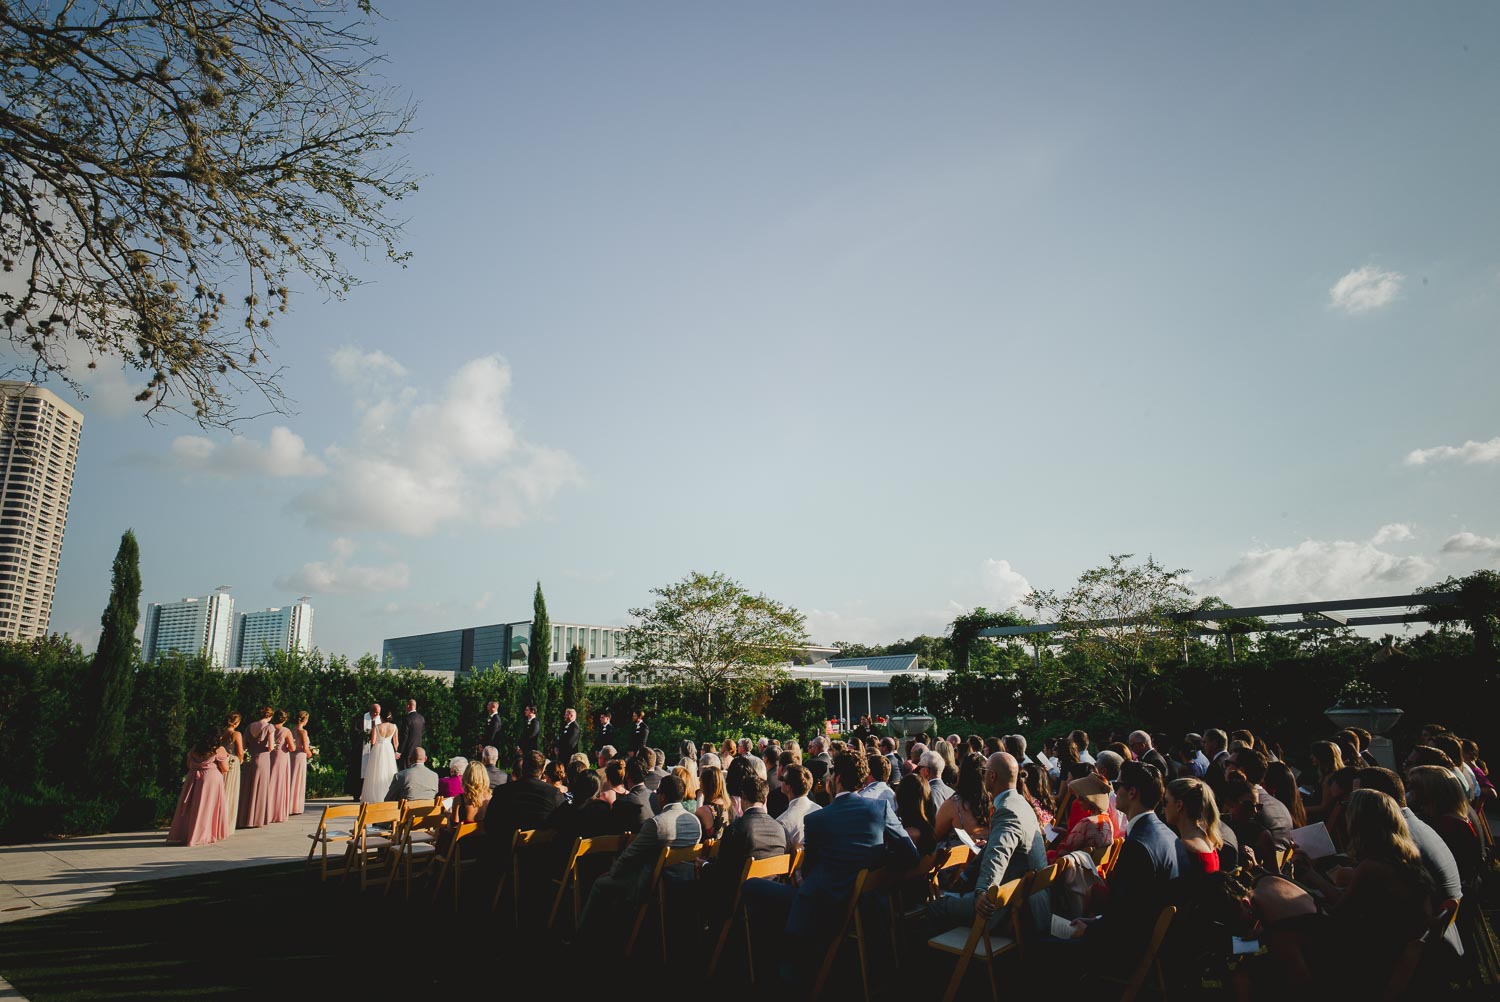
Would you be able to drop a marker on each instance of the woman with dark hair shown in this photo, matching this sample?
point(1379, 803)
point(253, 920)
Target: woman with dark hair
point(281, 769)
point(969, 807)
point(912, 798)
point(301, 755)
point(1281, 784)
point(1329, 760)
point(200, 817)
point(1030, 780)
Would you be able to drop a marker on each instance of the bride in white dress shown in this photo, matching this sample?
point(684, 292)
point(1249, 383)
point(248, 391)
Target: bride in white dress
point(381, 768)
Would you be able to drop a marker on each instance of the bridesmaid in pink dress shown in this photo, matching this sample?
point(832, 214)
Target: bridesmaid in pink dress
point(200, 817)
point(281, 770)
point(255, 789)
point(301, 753)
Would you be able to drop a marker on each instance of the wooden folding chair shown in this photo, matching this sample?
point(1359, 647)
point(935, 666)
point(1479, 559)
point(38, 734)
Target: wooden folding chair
point(754, 869)
point(1035, 882)
point(978, 939)
point(373, 850)
point(867, 884)
point(949, 861)
point(528, 839)
point(451, 857)
point(416, 836)
point(1149, 958)
point(342, 836)
point(655, 895)
point(583, 849)
point(1108, 862)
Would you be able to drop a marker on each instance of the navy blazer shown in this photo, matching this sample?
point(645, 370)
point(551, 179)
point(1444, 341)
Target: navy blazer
point(1147, 863)
point(852, 833)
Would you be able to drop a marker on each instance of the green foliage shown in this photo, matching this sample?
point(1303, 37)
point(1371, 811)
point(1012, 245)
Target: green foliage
point(106, 691)
point(575, 686)
point(539, 659)
point(708, 633)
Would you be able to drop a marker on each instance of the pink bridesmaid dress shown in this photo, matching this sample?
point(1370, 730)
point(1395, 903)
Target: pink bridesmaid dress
point(299, 776)
point(200, 817)
point(281, 776)
point(255, 789)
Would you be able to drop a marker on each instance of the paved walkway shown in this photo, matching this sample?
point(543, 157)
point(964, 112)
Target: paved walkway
point(64, 874)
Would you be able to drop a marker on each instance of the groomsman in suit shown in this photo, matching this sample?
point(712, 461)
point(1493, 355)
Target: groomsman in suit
point(567, 740)
point(492, 726)
point(639, 732)
point(531, 732)
point(606, 731)
point(412, 732)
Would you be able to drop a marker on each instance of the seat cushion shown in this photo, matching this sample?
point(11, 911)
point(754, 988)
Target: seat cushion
point(954, 941)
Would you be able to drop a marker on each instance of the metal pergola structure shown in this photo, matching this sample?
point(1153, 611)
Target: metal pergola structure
point(1207, 622)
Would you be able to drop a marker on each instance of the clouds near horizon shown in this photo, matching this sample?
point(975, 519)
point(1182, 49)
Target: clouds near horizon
point(1470, 452)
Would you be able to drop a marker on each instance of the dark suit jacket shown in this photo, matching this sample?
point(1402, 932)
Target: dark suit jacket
point(819, 765)
point(777, 802)
point(519, 805)
point(585, 820)
point(1138, 886)
point(639, 735)
point(411, 736)
point(531, 735)
point(492, 729)
point(631, 810)
point(567, 741)
point(606, 735)
point(1154, 757)
point(753, 835)
point(851, 834)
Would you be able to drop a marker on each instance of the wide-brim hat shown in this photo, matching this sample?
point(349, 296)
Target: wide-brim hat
point(1091, 790)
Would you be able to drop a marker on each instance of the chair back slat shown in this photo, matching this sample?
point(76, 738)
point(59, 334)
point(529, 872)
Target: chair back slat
point(771, 866)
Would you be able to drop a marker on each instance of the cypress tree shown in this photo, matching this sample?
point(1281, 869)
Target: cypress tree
point(573, 688)
point(539, 658)
point(106, 691)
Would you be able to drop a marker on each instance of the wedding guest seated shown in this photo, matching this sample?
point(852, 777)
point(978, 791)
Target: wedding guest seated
point(968, 808)
point(878, 788)
point(1439, 799)
point(1193, 814)
point(452, 785)
point(520, 805)
point(1487, 792)
point(614, 780)
point(626, 882)
point(1031, 783)
point(474, 796)
point(1328, 759)
point(632, 809)
point(797, 781)
point(416, 782)
point(689, 781)
point(1263, 822)
point(931, 766)
point(753, 835)
point(715, 809)
point(489, 756)
point(912, 807)
point(585, 816)
point(1375, 907)
point(1282, 784)
point(1097, 827)
point(1437, 858)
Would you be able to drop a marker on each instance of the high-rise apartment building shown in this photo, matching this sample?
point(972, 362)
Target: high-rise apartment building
point(38, 452)
point(191, 626)
point(288, 628)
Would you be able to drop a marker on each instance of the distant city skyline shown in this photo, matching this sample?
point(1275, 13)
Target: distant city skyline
point(887, 315)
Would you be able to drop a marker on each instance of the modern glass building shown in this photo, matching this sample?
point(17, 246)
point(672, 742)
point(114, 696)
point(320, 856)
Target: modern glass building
point(191, 625)
point(258, 633)
point(502, 644)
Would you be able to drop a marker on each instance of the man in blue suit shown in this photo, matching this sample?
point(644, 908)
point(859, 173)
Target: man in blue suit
point(1140, 875)
point(852, 833)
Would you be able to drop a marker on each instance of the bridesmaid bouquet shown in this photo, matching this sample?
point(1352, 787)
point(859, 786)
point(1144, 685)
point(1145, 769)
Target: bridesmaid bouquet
point(245, 755)
point(312, 751)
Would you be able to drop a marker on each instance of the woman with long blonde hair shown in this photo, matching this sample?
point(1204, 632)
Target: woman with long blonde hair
point(476, 796)
point(1194, 814)
point(715, 809)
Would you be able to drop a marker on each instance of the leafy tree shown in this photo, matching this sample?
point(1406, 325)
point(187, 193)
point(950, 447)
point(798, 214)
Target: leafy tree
point(1117, 621)
point(1478, 608)
point(708, 633)
point(106, 692)
point(168, 168)
point(539, 656)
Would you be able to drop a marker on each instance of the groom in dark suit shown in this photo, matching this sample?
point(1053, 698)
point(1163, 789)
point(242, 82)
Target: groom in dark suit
point(412, 732)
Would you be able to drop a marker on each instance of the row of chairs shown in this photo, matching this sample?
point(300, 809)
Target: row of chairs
point(381, 842)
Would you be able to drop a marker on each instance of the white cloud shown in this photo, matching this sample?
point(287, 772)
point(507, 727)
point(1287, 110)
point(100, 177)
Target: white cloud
point(1469, 452)
point(1003, 585)
point(1468, 542)
point(1393, 532)
point(365, 368)
point(1319, 569)
point(284, 455)
point(1365, 289)
point(416, 466)
point(338, 576)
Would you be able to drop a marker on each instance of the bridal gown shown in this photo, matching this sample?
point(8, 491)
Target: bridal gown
point(379, 772)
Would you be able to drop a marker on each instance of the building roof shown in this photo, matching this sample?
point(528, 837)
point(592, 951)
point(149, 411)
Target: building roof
point(893, 663)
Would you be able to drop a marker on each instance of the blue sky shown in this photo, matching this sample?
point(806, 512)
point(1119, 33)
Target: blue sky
point(886, 310)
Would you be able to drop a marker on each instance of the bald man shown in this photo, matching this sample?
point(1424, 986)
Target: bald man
point(1015, 848)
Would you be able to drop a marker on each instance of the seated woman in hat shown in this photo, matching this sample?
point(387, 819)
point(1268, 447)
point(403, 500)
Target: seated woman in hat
point(1096, 822)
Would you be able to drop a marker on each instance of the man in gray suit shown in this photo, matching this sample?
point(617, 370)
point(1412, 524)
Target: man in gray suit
point(1015, 848)
point(415, 783)
point(625, 883)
